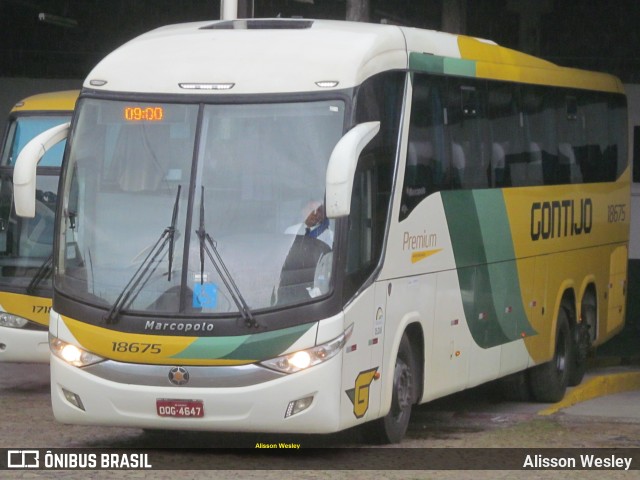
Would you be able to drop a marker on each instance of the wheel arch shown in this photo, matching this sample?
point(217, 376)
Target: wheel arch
point(412, 326)
point(588, 306)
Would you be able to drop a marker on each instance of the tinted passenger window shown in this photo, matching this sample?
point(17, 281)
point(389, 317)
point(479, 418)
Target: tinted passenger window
point(427, 164)
point(468, 134)
point(378, 99)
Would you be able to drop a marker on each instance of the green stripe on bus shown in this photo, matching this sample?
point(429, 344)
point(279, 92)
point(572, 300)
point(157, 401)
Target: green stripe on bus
point(259, 346)
point(494, 224)
point(500, 256)
point(442, 65)
point(458, 66)
point(269, 344)
point(487, 272)
point(426, 63)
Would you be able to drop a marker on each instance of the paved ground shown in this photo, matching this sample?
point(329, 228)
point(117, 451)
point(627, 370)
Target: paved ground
point(603, 412)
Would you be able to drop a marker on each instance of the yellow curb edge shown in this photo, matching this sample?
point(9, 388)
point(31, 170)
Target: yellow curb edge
point(596, 387)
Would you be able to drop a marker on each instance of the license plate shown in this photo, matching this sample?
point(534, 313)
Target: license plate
point(179, 408)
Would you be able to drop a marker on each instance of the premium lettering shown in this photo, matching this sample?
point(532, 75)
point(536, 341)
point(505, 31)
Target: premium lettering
point(415, 242)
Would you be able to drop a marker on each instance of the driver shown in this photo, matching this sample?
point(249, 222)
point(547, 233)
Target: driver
point(315, 224)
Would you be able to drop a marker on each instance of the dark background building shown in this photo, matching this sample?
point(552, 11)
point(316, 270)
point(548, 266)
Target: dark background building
point(73, 35)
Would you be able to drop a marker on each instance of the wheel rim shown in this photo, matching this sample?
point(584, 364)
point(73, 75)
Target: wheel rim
point(402, 382)
point(561, 354)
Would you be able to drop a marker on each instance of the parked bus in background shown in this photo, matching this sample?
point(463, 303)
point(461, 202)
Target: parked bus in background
point(476, 197)
point(26, 244)
point(631, 341)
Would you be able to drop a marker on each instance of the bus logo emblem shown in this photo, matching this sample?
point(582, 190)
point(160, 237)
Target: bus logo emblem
point(178, 376)
point(359, 395)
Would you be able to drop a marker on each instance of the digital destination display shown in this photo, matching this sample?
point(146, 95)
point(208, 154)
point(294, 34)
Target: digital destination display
point(143, 114)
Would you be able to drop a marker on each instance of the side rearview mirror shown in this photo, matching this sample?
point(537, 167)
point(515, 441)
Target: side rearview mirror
point(24, 172)
point(342, 168)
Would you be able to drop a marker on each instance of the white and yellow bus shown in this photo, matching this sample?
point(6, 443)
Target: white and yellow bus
point(303, 226)
point(26, 244)
point(633, 305)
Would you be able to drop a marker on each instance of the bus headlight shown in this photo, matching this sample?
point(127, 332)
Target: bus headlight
point(71, 354)
point(302, 359)
point(12, 321)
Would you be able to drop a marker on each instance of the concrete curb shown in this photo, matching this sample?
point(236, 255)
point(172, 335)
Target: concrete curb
point(594, 387)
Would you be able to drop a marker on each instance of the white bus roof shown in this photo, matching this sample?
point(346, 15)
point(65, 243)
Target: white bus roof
point(269, 59)
point(296, 55)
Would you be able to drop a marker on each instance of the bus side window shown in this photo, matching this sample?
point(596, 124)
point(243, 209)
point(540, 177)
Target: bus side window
point(426, 157)
point(569, 132)
point(618, 134)
point(468, 131)
point(378, 99)
point(503, 115)
point(536, 160)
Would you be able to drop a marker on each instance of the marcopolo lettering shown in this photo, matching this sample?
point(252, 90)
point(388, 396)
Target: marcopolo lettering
point(182, 327)
point(561, 218)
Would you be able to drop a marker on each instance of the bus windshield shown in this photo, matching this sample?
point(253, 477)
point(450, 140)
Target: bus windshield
point(23, 129)
point(174, 208)
point(25, 243)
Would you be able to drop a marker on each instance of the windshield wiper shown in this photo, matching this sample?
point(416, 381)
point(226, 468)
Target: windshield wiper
point(208, 245)
point(44, 271)
point(172, 234)
point(144, 272)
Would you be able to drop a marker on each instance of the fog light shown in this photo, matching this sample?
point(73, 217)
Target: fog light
point(73, 399)
point(298, 406)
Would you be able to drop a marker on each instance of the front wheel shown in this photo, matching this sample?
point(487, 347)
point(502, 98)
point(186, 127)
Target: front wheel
point(392, 427)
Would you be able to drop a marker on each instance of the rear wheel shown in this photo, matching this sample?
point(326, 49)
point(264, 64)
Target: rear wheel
point(549, 381)
point(583, 337)
point(392, 427)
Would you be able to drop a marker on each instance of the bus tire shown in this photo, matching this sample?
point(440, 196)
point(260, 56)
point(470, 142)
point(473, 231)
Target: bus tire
point(583, 334)
point(581, 345)
point(549, 381)
point(393, 426)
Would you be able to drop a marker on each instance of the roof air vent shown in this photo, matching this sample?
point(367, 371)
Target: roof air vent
point(260, 24)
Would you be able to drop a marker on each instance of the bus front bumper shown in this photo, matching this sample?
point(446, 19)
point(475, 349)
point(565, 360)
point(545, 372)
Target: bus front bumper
point(79, 397)
point(23, 346)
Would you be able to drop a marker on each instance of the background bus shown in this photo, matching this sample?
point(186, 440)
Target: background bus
point(627, 345)
point(26, 244)
point(477, 197)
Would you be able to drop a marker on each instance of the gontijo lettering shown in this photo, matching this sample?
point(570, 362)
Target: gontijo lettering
point(561, 218)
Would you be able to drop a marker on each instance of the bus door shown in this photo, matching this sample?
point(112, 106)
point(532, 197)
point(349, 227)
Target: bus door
point(364, 351)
